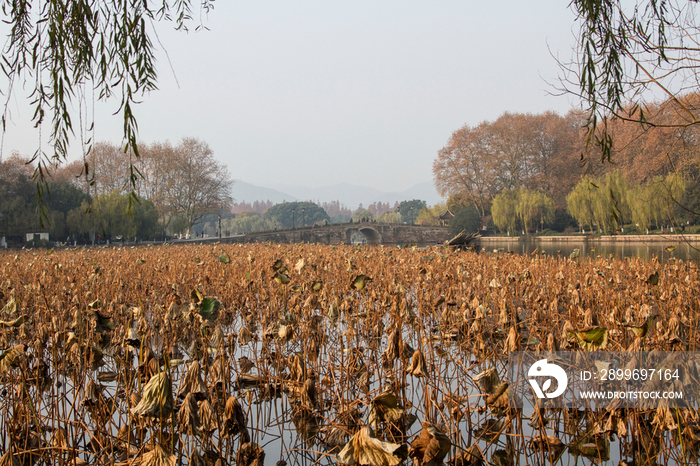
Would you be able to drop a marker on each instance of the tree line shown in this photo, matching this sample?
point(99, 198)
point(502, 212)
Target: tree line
point(514, 151)
point(337, 212)
point(306, 213)
point(534, 171)
point(610, 201)
point(65, 211)
point(167, 190)
point(112, 193)
point(184, 182)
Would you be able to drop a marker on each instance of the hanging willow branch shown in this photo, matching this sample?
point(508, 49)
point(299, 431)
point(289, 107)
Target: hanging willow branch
point(60, 47)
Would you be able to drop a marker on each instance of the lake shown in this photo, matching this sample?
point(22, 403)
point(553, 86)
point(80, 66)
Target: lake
point(639, 247)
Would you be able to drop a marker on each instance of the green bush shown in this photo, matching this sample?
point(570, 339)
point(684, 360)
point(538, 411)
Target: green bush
point(468, 219)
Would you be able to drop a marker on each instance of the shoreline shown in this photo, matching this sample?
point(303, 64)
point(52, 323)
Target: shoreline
point(671, 238)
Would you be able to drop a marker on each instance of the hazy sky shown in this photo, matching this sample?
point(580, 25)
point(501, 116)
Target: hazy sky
point(314, 93)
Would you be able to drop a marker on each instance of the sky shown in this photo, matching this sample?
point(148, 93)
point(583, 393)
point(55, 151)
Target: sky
point(320, 92)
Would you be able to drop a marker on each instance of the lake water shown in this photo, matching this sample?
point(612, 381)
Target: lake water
point(643, 250)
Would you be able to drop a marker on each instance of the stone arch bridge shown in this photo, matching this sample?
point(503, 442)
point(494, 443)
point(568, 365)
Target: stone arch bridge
point(375, 233)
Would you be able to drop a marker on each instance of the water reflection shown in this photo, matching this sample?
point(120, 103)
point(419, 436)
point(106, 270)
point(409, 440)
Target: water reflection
point(642, 250)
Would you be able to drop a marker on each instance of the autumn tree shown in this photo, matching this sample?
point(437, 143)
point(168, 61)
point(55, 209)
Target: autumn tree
point(184, 181)
point(465, 167)
point(557, 144)
point(108, 170)
point(511, 146)
point(643, 152)
point(160, 165)
point(378, 208)
point(15, 166)
point(197, 184)
point(538, 152)
point(636, 70)
point(338, 212)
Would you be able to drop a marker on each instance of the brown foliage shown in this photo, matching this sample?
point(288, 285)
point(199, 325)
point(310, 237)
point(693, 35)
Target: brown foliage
point(517, 150)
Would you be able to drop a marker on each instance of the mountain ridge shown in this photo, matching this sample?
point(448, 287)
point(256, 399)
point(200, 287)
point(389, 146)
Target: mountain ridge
point(351, 196)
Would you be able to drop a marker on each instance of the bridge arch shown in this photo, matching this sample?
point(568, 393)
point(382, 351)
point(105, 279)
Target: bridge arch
point(372, 235)
point(375, 233)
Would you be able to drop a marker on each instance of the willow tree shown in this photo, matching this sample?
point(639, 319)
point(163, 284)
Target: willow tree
point(630, 54)
point(68, 51)
point(580, 202)
point(429, 215)
point(644, 212)
point(523, 205)
point(105, 216)
point(656, 201)
point(532, 206)
point(503, 210)
point(611, 208)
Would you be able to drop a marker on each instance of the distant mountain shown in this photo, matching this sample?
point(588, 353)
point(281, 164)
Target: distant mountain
point(246, 192)
point(347, 194)
point(351, 195)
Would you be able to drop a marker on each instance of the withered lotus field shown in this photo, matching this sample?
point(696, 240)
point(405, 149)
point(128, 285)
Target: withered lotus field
point(241, 354)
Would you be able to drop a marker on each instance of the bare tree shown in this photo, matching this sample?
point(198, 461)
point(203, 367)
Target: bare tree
point(199, 184)
point(107, 170)
point(183, 181)
point(156, 166)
